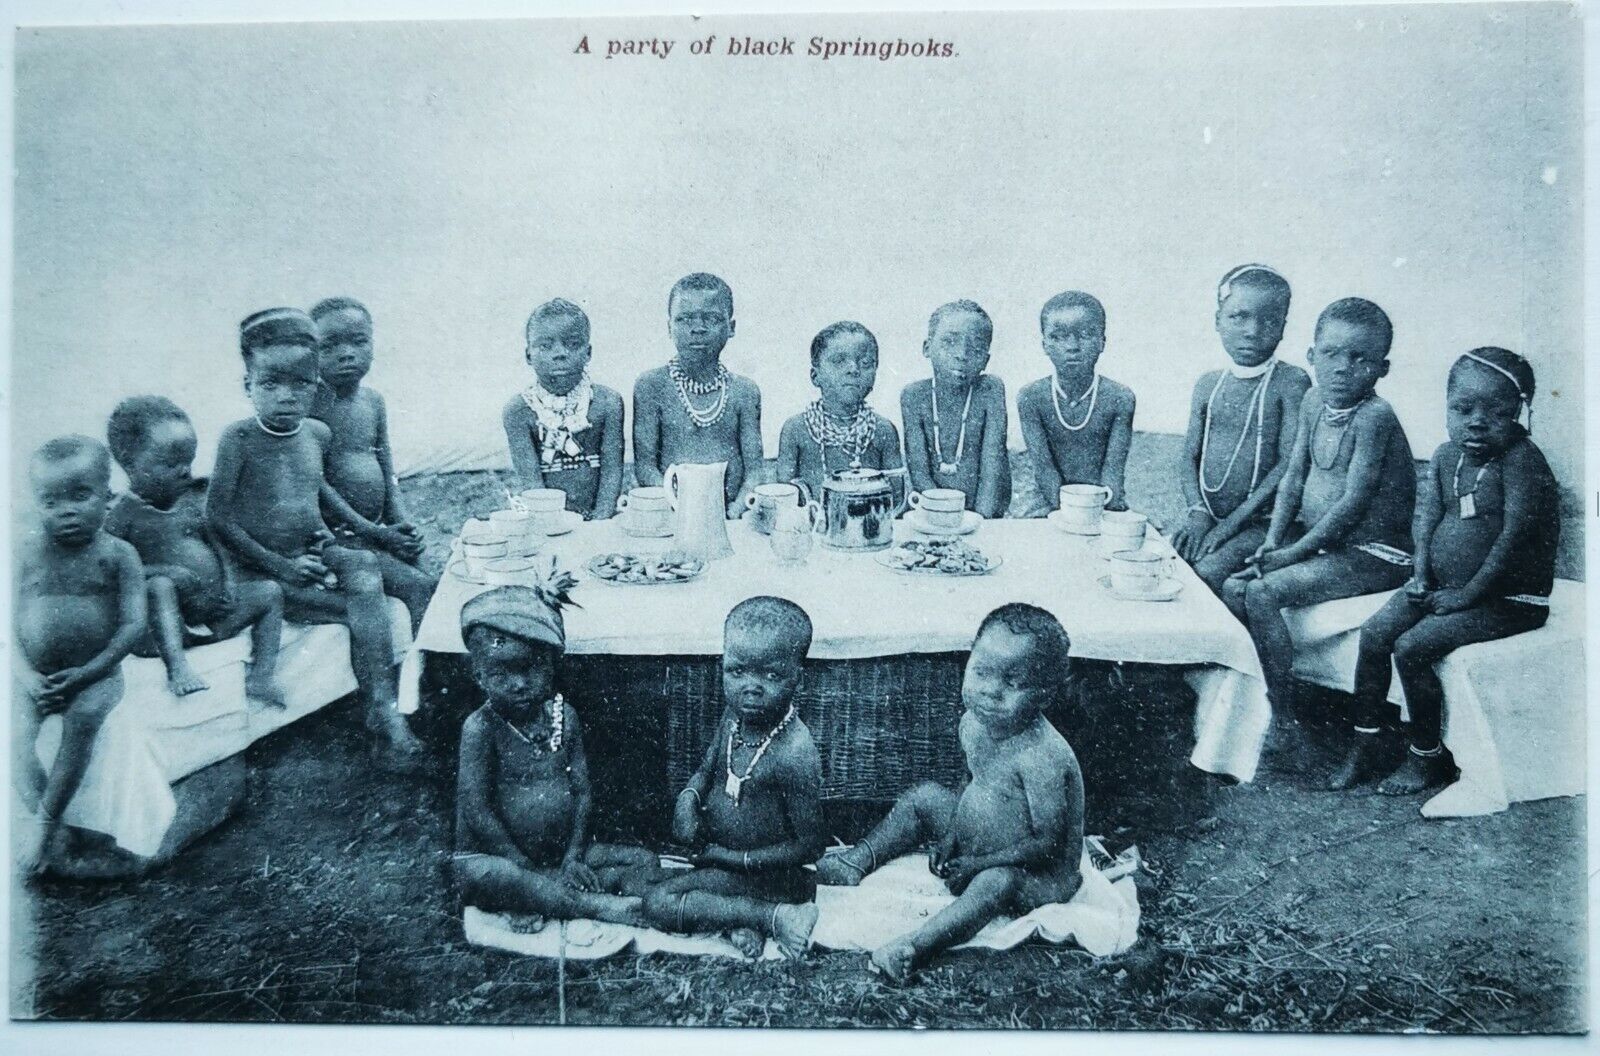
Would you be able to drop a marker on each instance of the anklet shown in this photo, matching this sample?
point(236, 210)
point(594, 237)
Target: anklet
point(1369, 730)
point(873, 851)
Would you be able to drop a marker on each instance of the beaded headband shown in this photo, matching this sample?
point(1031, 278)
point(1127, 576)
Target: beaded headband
point(1524, 398)
point(1225, 287)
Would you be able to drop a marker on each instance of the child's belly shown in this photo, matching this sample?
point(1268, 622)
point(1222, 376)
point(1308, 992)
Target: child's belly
point(538, 815)
point(1458, 548)
point(1232, 492)
point(58, 631)
point(990, 819)
point(359, 478)
point(1323, 488)
point(196, 556)
point(757, 821)
point(286, 527)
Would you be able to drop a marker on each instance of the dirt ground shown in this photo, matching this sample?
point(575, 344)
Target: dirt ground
point(1269, 906)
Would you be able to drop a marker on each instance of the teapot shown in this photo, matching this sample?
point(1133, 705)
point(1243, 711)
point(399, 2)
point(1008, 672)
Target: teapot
point(857, 507)
point(694, 490)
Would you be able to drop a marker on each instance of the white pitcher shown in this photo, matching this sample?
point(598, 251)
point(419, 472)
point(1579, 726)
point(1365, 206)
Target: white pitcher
point(695, 490)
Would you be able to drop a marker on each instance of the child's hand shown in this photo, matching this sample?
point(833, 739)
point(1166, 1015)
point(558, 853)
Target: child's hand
point(578, 876)
point(58, 689)
point(396, 542)
point(1444, 602)
point(1186, 540)
point(959, 872)
point(686, 818)
point(718, 856)
point(939, 857)
point(31, 683)
point(411, 540)
point(1271, 560)
point(308, 569)
point(736, 509)
point(1416, 591)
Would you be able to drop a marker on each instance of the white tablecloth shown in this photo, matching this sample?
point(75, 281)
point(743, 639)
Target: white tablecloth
point(861, 609)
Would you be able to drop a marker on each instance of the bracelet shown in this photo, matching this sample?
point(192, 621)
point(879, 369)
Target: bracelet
point(695, 792)
point(747, 861)
point(1200, 508)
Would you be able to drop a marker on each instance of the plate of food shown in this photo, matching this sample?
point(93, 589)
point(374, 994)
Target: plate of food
point(938, 557)
point(645, 569)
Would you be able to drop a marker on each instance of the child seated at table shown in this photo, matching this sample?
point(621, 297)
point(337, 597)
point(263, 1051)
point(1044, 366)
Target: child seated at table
point(364, 496)
point(694, 409)
point(1247, 412)
point(264, 504)
point(1012, 839)
point(1342, 515)
point(191, 594)
point(1487, 526)
point(523, 798)
point(80, 608)
point(963, 402)
point(1078, 425)
point(563, 430)
point(844, 366)
point(753, 807)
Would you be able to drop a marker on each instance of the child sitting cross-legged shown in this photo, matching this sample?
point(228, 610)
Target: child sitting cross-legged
point(1012, 839)
point(838, 431)
point(752, 808)
point(523, 797)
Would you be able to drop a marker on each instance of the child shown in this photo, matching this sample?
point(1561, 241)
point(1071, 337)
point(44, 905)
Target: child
point(264, 505)
point(79, 610)
point(693, 409)
point(1248, 412)
point(752, 808)
point(844, 366)
point(1488, 521)
point(564, 431)
point(1012, 839)
point(523, 799)
point(190, 592)
point(1077, 425)
point(363, 494)
point(1343, 509)
point(961, 402)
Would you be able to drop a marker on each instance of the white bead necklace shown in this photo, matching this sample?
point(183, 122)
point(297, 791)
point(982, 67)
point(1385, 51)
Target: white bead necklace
point(853, 438)
point(1056, 396)
point(961, 440)
point(1256, 406)
point(735, 783)
point(700, 419)
point(287, 432)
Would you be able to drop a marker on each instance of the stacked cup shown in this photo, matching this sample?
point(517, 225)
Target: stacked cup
point(1081, 507)
point(765, 502)
point(646, 511)
point(545, 507)
point(940, 509)
point(481, 542)
point(1122, 530)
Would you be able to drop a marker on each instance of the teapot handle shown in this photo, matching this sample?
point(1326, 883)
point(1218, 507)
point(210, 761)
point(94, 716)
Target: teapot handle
point(669, 481)
point(819, 523)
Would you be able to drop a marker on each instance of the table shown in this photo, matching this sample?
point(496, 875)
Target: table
point(887, 635)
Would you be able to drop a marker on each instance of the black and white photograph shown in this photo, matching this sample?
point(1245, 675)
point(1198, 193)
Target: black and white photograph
point(1057, 522)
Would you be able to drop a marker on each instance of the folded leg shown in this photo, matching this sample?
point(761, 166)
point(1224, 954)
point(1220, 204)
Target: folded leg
point(921, 815)
point(497, 884)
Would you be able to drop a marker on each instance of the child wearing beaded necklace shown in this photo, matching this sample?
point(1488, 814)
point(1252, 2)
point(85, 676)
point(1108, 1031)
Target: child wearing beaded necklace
point(1341, 520)
point(956, 420)
point(838, 431)
point(1242, 423)
point(563, 430)
point(1077, 424)
point(694, 409)
point(523, 797)
point(752, 809)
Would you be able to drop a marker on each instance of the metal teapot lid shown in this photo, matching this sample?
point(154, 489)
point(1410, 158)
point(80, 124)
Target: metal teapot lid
point(855, 480)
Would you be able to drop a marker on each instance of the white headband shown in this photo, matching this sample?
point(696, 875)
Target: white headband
point(1225, 287)
point(1515, 384)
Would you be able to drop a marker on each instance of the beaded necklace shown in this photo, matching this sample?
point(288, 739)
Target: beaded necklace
point(853, 437)
point(556, 709)
point(1335, 418)
point(287, 432)
point(961, 440)
point(735, 783)
point(700, 419)
point(1257, 407)
point(1056, 395)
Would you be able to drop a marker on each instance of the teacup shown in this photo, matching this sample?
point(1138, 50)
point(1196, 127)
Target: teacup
point(791, 533)
point(1124, 525)
point(765, 502)
point(1085, 496)
point(477, 555)
point(509, 571)
point(942, 509)
point(481, 531)
point(512, 524)
point(645, 511)
point(544, 500)
point(1140, 571)
point(524, 546)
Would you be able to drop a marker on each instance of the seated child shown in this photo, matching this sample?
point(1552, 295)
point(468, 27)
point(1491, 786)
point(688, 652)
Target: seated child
point(844, 366)
point(1487, 525)
point(264, 504)
point(79, 610)
point(523, 797)
point(1343, 510)
point(1012, 839)
point(1077, 425)
point(973, 412)
point(693, 409)
point(190, 590)
point(564, 431)
point(753, 807)
point(363, 495)
point(1250, 410)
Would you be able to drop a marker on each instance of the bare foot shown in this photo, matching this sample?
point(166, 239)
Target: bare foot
point(262, 688)
point(182, 680)
point(1418, 774)
point(748, 942)
point(840, 869)
point(792, 927)
point(395, 748)
point(1363, 762)
point(1287, 750)
point(896, 960)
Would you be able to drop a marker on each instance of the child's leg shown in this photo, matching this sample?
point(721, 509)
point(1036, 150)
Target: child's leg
point(989, 894)
point(166, 626)
point(259, 606)
point(27, 775)
point(709, 899)
point(494, 884)
point(921, 814)
point(407, 582)
point(625, 870)
point(79, 724)
point(1215, 568)
point(1372, 712)
point(1415, 654)
point(372, 650)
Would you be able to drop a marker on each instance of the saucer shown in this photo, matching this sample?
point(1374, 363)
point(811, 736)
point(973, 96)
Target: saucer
point(458, 569)
point(569, 519)
point(664, 532)
point(970, 519)
point(1107, 545)
point(1061, 523)
point(1169, 589)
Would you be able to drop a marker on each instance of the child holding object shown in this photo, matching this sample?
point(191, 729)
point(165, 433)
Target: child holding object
point(564, 431)
point(523, 797)
point(1012, 839)
point(838, 431)
point(694, 409)
point(1486, 530)
point(956, 420)
point(753, 807)
point(1242, 424)
point(193, 597)
point(80, 609)
point(1078, 425)
point(1343, 510)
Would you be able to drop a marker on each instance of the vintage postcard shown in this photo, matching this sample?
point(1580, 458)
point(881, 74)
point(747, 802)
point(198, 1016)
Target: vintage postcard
point(1042, 521)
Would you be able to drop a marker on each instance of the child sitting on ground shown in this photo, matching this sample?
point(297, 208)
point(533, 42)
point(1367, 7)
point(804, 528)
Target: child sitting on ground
point(752, 808)
point(264, 504)
point(963, 402)
point(694, 409)
point(844, 366)
point(563, 430)
point(1342, 514)
point(1012, 839)
point(80, 608)
point(1487, 526)
point(363, 494)
point(523, 797)
point(1078, 425)
point(192, 597)
point(1248, 411)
